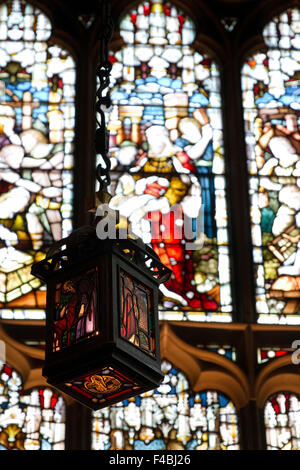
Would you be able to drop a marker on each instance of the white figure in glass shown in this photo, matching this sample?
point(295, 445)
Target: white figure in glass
point(158, 195)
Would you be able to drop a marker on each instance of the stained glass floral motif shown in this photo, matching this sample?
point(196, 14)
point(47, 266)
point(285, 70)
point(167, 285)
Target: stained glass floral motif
point(29, 421)
point(282, 421)
point(37, 113)
point(171, 417)
point(75, 307)
point(266, 354)
point(166, 148)
point(136, 322)
point(101, 385)
point(270, 84)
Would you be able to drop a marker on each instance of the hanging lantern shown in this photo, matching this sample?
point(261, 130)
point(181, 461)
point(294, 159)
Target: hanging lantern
point(102, 331)
point(102, 343)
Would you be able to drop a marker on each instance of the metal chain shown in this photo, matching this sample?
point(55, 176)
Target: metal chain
point(103, 97)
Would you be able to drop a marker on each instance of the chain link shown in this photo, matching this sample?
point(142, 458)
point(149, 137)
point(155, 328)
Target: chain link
point(103, 97)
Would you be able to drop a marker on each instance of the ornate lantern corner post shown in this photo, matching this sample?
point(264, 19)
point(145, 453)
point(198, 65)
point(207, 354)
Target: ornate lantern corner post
point(102, 330)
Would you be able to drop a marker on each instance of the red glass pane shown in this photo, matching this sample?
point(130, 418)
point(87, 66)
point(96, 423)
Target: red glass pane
point(101, 385)
point(7, 370)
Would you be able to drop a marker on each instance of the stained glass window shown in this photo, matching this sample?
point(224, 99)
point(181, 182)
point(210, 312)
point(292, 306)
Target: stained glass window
point(37, 113)
point(270, 85)
point(167, 155)
point(282, 421)
point(29, 421)
point(172, 417)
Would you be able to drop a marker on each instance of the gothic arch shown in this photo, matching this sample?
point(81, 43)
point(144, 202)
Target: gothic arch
point(215, 44)
point(280, 374)
point(281, 418)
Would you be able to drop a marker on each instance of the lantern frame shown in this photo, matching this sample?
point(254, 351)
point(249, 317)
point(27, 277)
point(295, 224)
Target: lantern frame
point(105, 347)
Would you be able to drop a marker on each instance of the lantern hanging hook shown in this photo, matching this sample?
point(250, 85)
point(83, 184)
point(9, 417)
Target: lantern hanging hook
point(103, 99)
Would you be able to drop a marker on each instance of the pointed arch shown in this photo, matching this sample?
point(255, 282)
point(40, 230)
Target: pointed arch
point(205, 369)
point(282, 421)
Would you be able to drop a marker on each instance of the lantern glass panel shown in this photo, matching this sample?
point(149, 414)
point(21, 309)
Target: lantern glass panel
point(136, 322)
point(101, 385)
point(75, 309)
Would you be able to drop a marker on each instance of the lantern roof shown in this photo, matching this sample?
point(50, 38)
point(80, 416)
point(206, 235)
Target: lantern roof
point(83, 243)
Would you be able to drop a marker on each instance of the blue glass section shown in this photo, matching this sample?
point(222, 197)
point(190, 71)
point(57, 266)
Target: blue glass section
point(24, 86)
point(157, 444)
point(150, 80)
point(40, 113)
point(138, 401)
point(165, 81)
point(228, 354)
point(265, 99)
point(41, 95)
point(208, 201)
point(200, 99)
point(267, 219)
point(45, 445)
point(177, 84)
point(119, 95)
point(203, 399)
point(191, 445)
point(223, 401)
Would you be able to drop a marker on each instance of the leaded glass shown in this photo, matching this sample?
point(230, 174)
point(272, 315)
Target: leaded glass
point(75, 308)
point(102, 385)
point(266, 354)
point(29, 421)
point(37, 116)
point(270, 84)
point(171, 417)
point(136, 322)
point(282, 421)
point(167, 156)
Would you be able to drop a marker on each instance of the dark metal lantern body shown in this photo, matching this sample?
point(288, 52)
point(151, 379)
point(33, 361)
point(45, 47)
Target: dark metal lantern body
point(102, 332)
